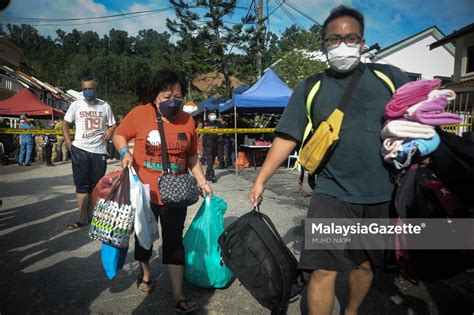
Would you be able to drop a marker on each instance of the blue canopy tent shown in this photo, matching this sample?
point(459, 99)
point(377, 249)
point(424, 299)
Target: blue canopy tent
point(215, 103)
point(268, 95)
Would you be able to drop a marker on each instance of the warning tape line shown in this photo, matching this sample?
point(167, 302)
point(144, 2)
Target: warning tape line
point(14, 131)
point(236, 130)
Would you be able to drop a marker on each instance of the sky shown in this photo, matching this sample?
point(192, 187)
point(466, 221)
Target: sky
point(387, 21)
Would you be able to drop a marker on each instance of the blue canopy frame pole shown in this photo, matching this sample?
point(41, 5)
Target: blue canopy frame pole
point(235, 140)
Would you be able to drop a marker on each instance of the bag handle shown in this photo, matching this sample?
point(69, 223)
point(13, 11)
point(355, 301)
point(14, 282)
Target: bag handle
point(117, 191)
point(164, 147)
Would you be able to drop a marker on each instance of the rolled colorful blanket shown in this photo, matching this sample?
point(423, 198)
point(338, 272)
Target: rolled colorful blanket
point(391, 147)
point(410, 94)
point(450, 95)
point(407, 129)
point(431, 112)
point(424, 146)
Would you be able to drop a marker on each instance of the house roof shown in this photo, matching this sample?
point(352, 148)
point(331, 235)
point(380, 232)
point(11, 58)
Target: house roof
point(433, 30)
point(458, 86)
point(10, 54)
point(205, 82)
point(454, 35)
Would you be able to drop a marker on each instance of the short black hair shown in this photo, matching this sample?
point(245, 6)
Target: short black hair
point(163, 80)
point(89, 78)
point(341, 11)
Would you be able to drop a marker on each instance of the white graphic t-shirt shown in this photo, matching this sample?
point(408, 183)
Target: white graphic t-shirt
point(91, 122)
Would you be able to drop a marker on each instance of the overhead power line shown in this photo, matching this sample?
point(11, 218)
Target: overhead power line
point(33, 19)
point(96, 22)
point(279, 5)
point(289, 15)
point(294, 7)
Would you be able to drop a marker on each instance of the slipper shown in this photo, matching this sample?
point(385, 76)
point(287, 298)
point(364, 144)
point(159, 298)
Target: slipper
point(145, 286)
point(76, 225)
point(180, 307)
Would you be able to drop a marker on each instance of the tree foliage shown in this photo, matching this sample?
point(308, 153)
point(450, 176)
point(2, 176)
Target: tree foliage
point(125, 64)
point(210, 28)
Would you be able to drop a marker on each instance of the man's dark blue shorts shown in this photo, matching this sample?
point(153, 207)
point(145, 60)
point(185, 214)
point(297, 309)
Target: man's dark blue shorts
point(87, 169)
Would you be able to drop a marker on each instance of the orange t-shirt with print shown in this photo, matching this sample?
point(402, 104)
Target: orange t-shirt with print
point(181, 139)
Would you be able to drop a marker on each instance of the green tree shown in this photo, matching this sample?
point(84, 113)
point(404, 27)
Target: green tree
point(294, 67)
point(292, 59)
point(209, 27)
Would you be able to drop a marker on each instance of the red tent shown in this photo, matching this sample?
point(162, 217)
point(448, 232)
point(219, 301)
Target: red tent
point(25, 102)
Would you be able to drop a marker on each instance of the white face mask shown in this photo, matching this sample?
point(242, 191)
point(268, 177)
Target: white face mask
point(343, 58)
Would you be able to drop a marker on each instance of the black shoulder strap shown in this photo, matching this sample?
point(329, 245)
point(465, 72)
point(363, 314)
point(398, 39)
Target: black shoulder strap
point(346, 98)
point(164, 148)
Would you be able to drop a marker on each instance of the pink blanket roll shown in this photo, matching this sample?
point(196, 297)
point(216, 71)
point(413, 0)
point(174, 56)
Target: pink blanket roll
point(431, 112)
point(409, 94)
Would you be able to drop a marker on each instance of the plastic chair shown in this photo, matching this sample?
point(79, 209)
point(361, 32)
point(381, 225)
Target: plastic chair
point(293, 156)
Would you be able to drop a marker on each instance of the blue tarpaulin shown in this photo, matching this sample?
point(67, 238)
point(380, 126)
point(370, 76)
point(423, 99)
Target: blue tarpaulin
point(268, 93)
point(215, 103)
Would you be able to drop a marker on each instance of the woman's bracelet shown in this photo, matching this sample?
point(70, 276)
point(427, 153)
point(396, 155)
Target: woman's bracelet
point(123, 151)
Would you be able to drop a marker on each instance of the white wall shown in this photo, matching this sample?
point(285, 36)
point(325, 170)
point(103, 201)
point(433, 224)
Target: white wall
point(418, 58)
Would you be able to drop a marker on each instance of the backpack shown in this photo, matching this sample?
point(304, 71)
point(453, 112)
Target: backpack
point(313, 85)
point(453, 163)
point(421, 194)
point(254, 251)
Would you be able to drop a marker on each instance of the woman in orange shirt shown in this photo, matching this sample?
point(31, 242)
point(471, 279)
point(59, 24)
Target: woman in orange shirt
point(182, 142)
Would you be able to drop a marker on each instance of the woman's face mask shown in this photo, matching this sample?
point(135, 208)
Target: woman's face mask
point(212, 117)
point(170, 108)
point(343, 58)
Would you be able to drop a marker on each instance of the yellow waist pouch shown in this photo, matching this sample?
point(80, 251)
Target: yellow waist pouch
point(322, 143)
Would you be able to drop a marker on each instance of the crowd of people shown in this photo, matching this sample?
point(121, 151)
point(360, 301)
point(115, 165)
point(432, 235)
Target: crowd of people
point(28, 148)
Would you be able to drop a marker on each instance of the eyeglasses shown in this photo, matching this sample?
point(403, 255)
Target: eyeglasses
point(351, 40)
point(88, 89)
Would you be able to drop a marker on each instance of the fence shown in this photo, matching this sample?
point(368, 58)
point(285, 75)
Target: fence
point(463, 106)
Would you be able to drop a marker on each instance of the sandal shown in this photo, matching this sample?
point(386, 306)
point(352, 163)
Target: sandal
point(181, 308)
point(145, 286)
point(76, 225)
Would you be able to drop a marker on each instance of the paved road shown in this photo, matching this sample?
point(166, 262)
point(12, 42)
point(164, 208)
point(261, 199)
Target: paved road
point(46, 269)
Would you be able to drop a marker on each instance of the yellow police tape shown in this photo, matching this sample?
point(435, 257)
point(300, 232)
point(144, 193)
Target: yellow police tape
point(13, 131)
point(236, 130)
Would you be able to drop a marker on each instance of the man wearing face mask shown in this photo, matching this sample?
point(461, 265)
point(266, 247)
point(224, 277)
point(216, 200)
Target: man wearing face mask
point(353, 183)
point(95, 125)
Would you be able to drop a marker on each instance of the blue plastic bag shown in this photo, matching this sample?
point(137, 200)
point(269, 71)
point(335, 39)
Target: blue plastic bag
point(203, 265)
point(113, 259)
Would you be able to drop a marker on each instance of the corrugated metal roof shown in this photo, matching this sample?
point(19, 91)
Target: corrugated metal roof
point(453, 36)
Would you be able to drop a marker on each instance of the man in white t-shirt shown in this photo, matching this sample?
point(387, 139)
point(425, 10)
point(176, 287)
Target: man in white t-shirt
point(95, 125)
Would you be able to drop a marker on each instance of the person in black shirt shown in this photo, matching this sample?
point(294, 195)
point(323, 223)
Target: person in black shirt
point(222, 145)
point(210, 143)
point(354, 182)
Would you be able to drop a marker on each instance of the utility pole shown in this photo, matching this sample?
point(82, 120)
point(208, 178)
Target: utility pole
point(259, 38)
